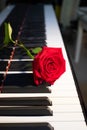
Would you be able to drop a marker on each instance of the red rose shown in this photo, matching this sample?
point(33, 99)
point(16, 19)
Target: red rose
point(48, 65)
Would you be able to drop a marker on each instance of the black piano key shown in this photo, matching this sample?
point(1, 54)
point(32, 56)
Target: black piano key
point(35, 13)
point(20, 53)
point(5, 53)
point(34, 35)
point(1, 79)
point(31, 27)
point(25, 101)
point(33, 41)
point(19, 79)
point(34, 38)
point(1, 34)
point(21, 66)
point(26, 111)
point(25, 89)
point(27, 126)
point(23, 83)
point(3, 65)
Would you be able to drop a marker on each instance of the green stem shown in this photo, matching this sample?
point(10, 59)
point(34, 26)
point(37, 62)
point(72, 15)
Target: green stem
point(27, 51)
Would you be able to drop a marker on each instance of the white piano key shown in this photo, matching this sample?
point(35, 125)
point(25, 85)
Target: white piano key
point(59, 94)
point(66, 108)
point(65, 100)
point(63, 86)
point(69, 125)
point(64, 94)
point(55, 118)
point(67, 87)
point(52, 34)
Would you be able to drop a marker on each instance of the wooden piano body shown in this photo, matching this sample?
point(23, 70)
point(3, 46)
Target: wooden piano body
point(57, 107)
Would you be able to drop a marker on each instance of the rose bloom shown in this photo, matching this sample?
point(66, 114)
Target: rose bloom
point(48, 65)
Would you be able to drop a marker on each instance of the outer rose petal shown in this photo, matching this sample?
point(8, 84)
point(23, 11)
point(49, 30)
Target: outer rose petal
point(48, 65)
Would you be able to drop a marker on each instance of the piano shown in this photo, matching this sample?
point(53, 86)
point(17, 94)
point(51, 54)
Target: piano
point(22, 105)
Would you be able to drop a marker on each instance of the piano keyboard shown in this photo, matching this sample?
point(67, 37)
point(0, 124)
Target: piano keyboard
point(22, 104)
